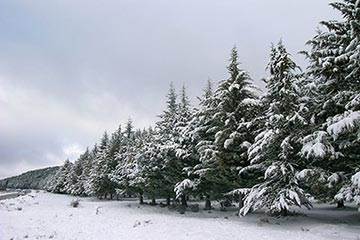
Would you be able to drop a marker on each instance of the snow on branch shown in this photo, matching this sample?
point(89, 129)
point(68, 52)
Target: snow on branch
point(239, 191)
point(344, 123)
point(355, 180)
point(182, 186)
point(317, 145)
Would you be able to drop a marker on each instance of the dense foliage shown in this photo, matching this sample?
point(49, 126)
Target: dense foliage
point(299, 139)
point(35, 179)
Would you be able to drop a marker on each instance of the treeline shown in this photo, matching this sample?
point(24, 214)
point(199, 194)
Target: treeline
point(299, 139)
point(35, 179)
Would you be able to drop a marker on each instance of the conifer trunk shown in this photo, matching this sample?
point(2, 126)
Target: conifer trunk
point(153, 201)
point(183, 200)
point(340, 204)
point(141, 198)
point(207, 203)
point(241, 201)
point(284, 212)
point(168, 201)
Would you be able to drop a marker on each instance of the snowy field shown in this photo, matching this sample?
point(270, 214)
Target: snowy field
point(41, 215)
point(12, 194)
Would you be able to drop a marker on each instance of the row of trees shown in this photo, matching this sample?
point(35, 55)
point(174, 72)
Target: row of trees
point(270, 150)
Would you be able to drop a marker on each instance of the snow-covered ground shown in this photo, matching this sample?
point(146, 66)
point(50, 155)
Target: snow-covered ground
point(12, 194)
point(41, 215)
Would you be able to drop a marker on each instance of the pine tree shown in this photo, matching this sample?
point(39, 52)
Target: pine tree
point(351, 191)
point(83, 167)
point(88, 168)
point(185, 149)
point(167, 123)
point(60, 180)
point(276, 146)
point(166, 139)
point(138, 171)
point(125, 159)
point(224, 151)
point(333, 147)
point(150, 168)
point(184, 112)
point(98, 177)
point(115, 144)
point(75, 183)
point(202, 134)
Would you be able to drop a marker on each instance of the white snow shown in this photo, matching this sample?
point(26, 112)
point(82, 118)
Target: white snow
point(242, 191)
point(228, 142)
point(6, 195)
point(305, 173)
point(297, 118)
point(334, 179)
point(50, 216)
point(251, 101)
point(295, 197)
point(316, 145)
point(356, 180)
point(354, 102)
point(342, 123)
point(182, 186)
point(270, 171)
point(261, 140)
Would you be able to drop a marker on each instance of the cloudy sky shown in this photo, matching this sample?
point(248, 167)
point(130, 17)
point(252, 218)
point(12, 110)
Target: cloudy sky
point(71, 69)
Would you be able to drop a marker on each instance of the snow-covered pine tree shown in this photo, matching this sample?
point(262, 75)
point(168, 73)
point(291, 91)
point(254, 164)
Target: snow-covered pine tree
point(75, 183)
point(81, 170)
point(232, 107)
point(334, 144)
point(138, 172)
point(150, 162)
point(166, 144)
point(238, 106)
point(184, 111)
point(88, 168)
point(276, 147)
point(60, 180)
point(351, 191)
point(124, 159)
point(98, 177)
point(185, 126)
point(201, 131)
point(185, 148)
point(127, 174)
point(168, 119)
point(115, 144)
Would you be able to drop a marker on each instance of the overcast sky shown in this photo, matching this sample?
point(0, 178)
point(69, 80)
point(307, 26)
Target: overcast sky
point(70, 69)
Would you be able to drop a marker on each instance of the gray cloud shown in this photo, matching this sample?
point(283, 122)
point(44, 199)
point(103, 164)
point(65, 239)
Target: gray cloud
point(71, 69)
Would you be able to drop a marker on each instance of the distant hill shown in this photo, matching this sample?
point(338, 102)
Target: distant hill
point(35, 179)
